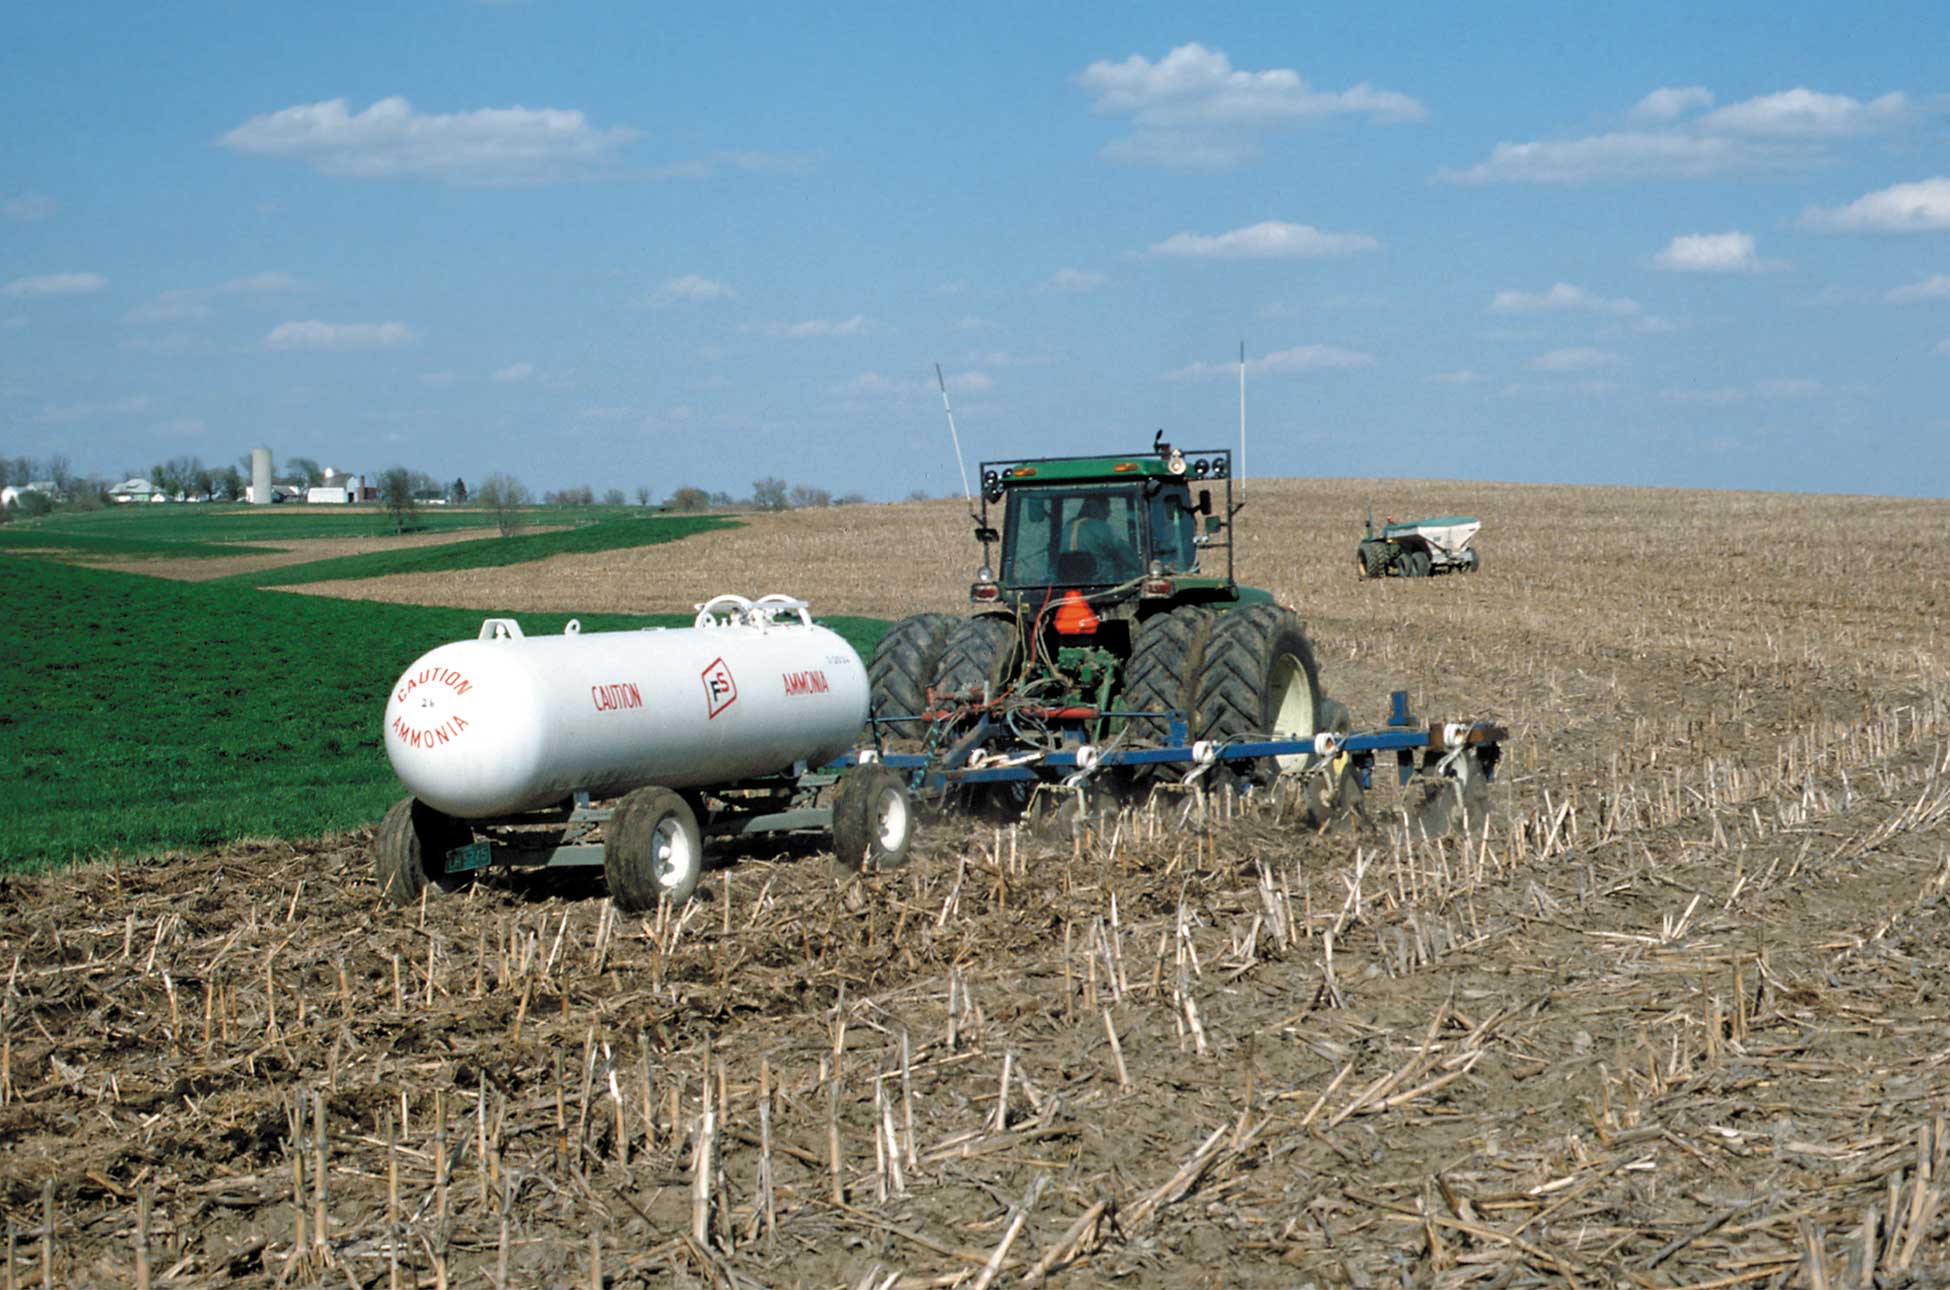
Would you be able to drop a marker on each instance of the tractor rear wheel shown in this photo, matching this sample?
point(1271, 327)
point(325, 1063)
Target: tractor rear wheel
point(976, 659)
point(873, 820)
point(903, 665)
point(652, 850)
point(1163, 675)
point(1373, 559)
point(410, 852)
point(1258, 680)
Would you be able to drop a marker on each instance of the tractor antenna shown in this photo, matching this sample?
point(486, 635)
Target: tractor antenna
point(942, 382)
point(1241, 472)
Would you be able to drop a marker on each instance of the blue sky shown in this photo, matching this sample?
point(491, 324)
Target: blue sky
point(659, 245)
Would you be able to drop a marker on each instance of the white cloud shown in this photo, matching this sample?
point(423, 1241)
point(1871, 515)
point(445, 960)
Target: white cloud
point(1653, 325)
point(1301, 358)
point(1270, 240)
point(1461, 377)
point(607, 414)
point(810, 327)
point(1574, 359)
point(1795, 387)
point(1719, 397)
point(975, 322)
point(1711, 253)
point(1805, 114)
point(50, 285)
point(1672, 102)
point(28, 206)
point(1070, 282)
point(182, 427)
point(1193, 109)
point(1788, 387)
point(1935, 287)
point(1562, 297)
point(1792, 128)
point(438, 380)
point(958, 287)
point(186, 303)
point(514, 372)
point(689, 289)
point(391, 139)
point(1003, 358)
point(1623, 155)
point(1921, 207)
point(313, 334)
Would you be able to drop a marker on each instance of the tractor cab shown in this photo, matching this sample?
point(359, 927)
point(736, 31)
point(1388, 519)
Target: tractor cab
point(1116, 528)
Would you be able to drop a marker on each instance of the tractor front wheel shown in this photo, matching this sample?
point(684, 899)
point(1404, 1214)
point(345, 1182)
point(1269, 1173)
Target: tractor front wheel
point(410, 853)
point(903, 665)
point(652, 850)
point(1258, 680)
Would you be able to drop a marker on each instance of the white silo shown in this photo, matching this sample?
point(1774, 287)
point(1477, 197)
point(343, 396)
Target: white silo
point(260, 494)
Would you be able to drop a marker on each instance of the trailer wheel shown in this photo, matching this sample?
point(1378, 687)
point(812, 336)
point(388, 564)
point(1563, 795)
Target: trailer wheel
point(652, 850)
point(873, 820)
point(903, 665)
point(1259, 681)
point(410, 853)
point(1163, 674)
point(1473, 560)
point(977, 655)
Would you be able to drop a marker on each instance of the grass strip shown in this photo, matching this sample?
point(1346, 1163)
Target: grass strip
point(489, 553)
point(42, 538)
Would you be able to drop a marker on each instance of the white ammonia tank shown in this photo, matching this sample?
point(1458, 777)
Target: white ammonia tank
point(507, 722)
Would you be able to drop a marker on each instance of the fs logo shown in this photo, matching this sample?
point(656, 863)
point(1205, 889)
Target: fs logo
point(720, 691)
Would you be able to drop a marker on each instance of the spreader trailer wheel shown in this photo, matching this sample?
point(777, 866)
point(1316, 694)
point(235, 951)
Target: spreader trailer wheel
point(412, 852)
point(873, 820)
point(653, 850)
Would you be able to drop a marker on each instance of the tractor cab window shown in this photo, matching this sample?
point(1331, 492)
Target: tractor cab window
point(1082, 537)
point(1173, 527)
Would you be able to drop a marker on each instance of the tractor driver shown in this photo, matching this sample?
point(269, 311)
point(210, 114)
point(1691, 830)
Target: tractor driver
point(1091, 534)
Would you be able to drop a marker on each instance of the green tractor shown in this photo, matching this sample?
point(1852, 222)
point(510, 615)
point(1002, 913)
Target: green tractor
point(1112, 623)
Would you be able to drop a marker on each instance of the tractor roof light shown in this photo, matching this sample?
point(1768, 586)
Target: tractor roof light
point(1201, 468)
point(1176, 462)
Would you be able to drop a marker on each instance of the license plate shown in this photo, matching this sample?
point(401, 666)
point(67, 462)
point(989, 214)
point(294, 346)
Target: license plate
point(475, 855)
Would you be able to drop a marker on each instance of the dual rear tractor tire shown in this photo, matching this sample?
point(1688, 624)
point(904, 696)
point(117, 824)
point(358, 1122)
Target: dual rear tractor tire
point(976, 659)
point(1258, 680)
point(903, 668)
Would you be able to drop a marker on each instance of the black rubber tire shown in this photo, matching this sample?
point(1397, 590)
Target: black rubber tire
point(1254, 659)
point(1373, 559)
point(1163, 674)
point(1416, 564)
point(873, 820)
point(903, 666)
point(652, 850)
point(1475, 561)
point(979, 653)
point(410, 852)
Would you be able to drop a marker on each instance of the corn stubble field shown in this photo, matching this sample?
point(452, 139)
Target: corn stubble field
point(1679, 1015)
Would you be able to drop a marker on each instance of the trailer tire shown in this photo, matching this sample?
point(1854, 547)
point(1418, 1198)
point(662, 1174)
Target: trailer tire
point(1474, 561)
point(1258, 680)
point(873, 820)
point(652, 850)
point(902, 667)
point(1416, 564)
point(976, 656)
point(410, 852)
point(1163, 674)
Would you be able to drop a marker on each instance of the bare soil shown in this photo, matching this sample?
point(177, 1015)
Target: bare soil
point(1675, 1017)
point(295, 551)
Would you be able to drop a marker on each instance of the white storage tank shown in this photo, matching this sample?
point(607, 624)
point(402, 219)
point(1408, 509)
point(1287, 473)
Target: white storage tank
point(508, 723)
point(260, 488)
